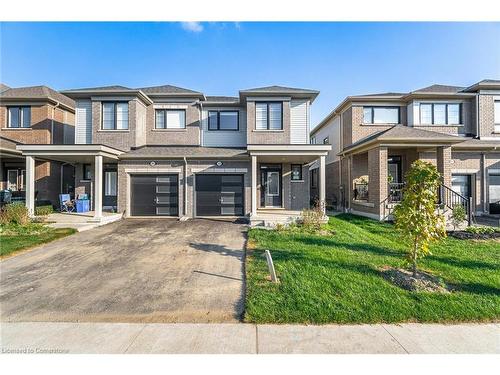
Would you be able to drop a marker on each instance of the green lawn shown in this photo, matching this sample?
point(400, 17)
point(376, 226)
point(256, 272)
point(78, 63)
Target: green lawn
point(15, 238)
point(336, 278)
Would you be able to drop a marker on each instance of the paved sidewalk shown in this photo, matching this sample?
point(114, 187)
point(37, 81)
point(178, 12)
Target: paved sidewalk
point(248, 338)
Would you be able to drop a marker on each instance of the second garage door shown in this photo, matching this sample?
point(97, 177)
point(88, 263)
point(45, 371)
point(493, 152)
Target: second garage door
point(219, 195)
point(154, 195)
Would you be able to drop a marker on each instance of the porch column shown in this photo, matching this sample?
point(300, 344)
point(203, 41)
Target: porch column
point(30, 185)
point(443, 158)
point(322, 183)
point(98, 188)
point(377, 179)
point(254, 186)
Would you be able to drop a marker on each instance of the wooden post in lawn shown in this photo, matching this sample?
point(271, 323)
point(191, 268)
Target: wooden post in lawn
point(270, 265)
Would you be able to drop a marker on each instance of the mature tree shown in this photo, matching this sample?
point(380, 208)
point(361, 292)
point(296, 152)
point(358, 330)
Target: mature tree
point(416, 216)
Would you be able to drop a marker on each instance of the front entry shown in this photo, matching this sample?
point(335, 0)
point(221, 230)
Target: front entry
point(271, 182)
point(494, 193)
point(110, 188)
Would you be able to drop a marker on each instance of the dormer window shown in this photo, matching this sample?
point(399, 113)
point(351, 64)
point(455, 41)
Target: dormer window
point(19, 117)
point(381, 115)
point(269, 116)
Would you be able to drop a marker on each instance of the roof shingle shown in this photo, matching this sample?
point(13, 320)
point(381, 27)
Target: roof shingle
point(37, 92)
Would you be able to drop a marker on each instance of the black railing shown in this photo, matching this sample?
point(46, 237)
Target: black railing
point(396, 192)
point(361, 191)
point(450, 198)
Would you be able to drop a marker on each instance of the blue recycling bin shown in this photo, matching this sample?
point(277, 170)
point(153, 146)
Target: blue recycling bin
point(82, 205)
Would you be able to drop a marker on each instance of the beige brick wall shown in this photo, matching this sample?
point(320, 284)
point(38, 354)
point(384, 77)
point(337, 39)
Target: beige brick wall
point(443, 164)
point(377, 172)
point(360, 130)
point(268, 136)
point(487, 116)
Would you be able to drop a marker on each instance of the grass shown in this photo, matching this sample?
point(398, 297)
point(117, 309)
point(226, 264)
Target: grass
point(14, 238)
point(336, 278)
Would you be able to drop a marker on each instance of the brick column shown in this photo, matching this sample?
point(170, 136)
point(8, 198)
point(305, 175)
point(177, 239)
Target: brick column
point(377, 175)
point(443, 157)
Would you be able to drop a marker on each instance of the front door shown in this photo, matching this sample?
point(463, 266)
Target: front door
point(394, 169)
point(494, 193)
point(271, 181)
point(110, 188)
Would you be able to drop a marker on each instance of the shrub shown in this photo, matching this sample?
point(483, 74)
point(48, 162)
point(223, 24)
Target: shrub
point(43, 210)
point(313, 218)
point(458, 215)
point(14, 213)
point(481, 230)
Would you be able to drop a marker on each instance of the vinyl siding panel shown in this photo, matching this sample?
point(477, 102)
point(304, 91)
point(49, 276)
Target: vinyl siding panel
point(221, 138)
point(83, 122)
point(299, 122)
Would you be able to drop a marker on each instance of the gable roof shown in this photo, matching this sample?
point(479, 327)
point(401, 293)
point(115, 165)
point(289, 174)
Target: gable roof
point(484, 84)
point(404, 134)
point(37, 92)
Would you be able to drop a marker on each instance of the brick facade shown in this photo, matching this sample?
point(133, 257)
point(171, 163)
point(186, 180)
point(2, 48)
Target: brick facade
point(487, 116)
point(260, 137)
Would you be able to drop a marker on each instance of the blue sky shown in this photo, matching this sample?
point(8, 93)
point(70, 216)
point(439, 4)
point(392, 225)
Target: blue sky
point(339, 59)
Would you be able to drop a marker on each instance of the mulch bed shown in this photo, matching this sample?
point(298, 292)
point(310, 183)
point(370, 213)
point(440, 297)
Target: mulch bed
point(422, 282)
point(463, 235)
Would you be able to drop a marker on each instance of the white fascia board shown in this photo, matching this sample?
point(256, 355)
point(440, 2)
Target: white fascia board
point(300, 148)
point(268, 98)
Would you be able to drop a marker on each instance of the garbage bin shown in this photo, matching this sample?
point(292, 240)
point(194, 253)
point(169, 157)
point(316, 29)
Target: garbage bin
point(82, 205)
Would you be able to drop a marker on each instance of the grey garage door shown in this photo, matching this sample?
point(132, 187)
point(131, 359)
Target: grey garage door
point(219, 195)
point(154, 195)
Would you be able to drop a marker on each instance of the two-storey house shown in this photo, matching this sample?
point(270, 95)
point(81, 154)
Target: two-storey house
point(375, 138)
point(35, 115)
point(174, 152)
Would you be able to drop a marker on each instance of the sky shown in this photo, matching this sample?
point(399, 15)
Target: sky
point(338, 59)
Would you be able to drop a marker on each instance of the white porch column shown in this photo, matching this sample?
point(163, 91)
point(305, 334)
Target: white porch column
point(98, 188)
point(322, 183)
point(30, 185)
point(254, 186)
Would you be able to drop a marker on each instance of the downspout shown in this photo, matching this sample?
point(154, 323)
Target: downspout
point(185, 187)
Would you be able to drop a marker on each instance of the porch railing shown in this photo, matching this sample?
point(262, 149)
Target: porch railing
point(450, 198)
point(396, 192)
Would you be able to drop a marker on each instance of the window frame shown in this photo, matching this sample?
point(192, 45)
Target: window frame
point(301, 178)
point(267, 115)
point(20, 115)
point(115, 115)
point(84, 170)
point(372, 113)
point(165, 110)
point(496, 125)
point(218, 120)
point(446, 104)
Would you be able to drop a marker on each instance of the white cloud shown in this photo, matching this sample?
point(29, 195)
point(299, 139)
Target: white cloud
point(195, 27)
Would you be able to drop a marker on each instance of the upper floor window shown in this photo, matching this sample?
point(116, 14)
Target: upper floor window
point(115, 115)
point(326, 141)
point(497, 116)
point(170, 119)
point(381, 115)
point(440, 113)
point(269, 116)
point(223, 120)
point(19, 117)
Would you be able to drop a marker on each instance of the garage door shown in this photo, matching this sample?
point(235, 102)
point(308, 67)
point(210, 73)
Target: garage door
point(219, 195)
point(154, 195)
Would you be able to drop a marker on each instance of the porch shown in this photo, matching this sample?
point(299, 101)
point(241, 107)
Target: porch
point(94, 156)
point(280, 187)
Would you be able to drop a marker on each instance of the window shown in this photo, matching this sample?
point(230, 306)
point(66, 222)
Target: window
point(314, 178)
point(115, 115)
point(326, 141)
point(19, 117)
point(440, 113)
point(223, 120)
point(87, 172)
point(497, 116)
point(170, 119)
point(296, 172)
point(381, 115)
point(110, 182)
point(313, 140)
point(269, 116)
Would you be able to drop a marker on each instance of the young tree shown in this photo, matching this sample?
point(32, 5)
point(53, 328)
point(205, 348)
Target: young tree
point(416, 216)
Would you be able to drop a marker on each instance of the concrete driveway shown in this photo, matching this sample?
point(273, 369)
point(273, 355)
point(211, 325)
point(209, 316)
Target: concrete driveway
point(135, 270)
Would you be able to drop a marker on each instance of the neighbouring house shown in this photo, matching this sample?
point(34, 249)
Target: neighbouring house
point(166, 151)
point(376, 137)
point(34, 116)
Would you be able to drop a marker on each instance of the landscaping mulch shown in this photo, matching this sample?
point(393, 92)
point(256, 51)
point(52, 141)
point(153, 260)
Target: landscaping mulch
point(463, 235)
point(421, 282)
